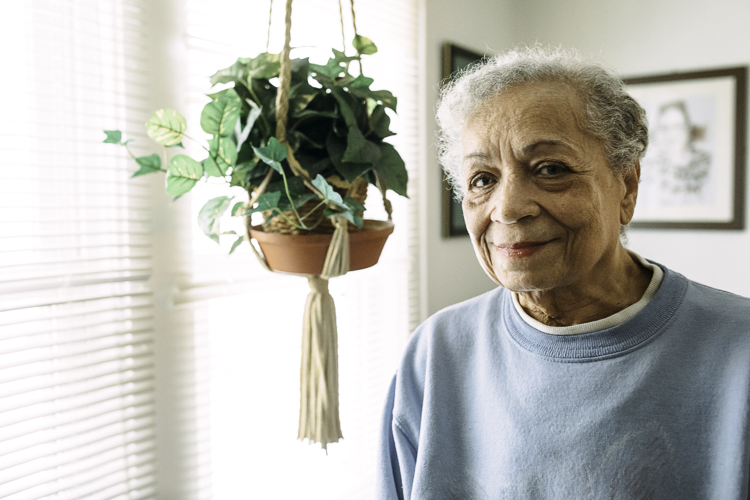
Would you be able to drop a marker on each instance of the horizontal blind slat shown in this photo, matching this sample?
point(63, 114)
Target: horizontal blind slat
point(76, 401)
point(102, 412)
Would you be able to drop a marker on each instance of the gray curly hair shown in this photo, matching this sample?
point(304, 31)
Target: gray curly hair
point(614, 117)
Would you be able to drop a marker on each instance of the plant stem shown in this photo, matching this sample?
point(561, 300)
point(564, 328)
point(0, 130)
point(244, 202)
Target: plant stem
point(288, 195)
point(313, 210)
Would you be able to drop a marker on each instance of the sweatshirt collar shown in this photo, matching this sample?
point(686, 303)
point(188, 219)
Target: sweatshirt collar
point(604, 343)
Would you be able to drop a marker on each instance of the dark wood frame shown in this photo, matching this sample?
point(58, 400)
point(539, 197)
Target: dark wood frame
point(740, 121)
point(451, 55)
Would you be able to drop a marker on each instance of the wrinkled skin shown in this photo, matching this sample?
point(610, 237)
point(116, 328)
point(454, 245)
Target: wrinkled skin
point(544, 209)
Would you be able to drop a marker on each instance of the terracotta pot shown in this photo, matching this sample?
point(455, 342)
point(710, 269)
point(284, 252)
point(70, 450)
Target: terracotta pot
point(305, 254)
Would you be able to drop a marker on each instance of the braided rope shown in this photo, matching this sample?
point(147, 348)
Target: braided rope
point(354, 25)
point(268, 37)
point(343, 36)
point(285, 75)
point(354, 18)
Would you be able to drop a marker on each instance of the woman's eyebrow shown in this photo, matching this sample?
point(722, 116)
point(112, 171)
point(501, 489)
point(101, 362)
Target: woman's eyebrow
point(531, 148)
point(478, 155)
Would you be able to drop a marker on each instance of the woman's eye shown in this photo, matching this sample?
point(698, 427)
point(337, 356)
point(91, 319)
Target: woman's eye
point(551, 169)
point(480, 181)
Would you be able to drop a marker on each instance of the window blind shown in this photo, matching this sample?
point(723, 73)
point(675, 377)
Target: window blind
point(115, 309)
point(76, 332)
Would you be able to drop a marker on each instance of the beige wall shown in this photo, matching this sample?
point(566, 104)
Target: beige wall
point(636, 37)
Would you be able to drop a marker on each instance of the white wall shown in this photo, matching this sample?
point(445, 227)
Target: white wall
point(641, 37)
point(450, 270)
point(637, 37)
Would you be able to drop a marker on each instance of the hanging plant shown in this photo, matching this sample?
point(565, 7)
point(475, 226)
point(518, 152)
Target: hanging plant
point(335, 129)
point(304, 140)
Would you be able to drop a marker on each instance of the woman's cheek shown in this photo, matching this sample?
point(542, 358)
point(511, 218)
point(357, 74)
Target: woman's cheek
point(476, 220)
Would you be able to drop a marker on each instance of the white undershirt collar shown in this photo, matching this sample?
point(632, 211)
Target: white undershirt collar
point(601, 324)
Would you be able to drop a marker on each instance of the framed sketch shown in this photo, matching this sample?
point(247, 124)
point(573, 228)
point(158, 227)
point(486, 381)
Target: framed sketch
point(454, 59)
point(693, 174)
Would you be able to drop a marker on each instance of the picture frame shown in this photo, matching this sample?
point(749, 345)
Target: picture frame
point(455, 58)
point(693, 173)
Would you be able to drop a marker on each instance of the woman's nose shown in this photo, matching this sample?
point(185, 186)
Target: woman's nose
point(513, 200)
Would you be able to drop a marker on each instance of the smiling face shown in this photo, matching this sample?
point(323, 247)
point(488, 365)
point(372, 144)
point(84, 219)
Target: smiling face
point(542, 206)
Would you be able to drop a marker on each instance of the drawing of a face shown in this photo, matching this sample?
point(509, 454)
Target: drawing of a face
point(673, 131)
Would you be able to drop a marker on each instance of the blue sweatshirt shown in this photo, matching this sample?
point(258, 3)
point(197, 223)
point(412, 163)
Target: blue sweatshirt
point(484, 406)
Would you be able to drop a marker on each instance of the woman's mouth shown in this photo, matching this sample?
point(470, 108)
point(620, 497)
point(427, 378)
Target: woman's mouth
point(521, 249)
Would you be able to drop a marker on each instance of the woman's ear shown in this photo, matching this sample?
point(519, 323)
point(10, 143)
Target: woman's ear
point(630, 178)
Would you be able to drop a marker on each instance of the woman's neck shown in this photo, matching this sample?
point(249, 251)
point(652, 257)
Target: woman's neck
point(607, 289)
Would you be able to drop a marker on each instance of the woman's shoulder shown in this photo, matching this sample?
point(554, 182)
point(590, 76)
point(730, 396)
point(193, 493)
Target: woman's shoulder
point(719, 305)
point(454, 331)
point(464, 318)
point(442, 346)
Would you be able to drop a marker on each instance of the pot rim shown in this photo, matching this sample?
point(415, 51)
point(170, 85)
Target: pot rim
point(372, 229)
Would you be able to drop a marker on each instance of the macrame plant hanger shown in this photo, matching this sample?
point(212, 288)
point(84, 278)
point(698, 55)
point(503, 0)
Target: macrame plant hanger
point(319, 387)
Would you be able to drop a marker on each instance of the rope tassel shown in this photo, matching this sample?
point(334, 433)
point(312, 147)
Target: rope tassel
point(319, 376)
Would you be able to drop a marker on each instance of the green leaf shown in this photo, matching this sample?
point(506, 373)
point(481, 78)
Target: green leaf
point(222, 154)
point(348, 214)
point(385, 97)
point(346, 105)
point(327, 191)
point(212, 168)
point(312, 113)
point(166, 127)
point(361, 82)
point(380, 122)
point(353, 204)
point(332, 69)
point(371, 105)
point(220, 115)
point(237, 207)
point(359, 149)
point(352, 211)
point(272, 154)
point(350, 171)
point(364, 45)
point(301, 94)
point(183, 174)
point(237, 72)
point(236, 243)
point(266, 201)
point(264, 67)
point(210, 215)
point(392, 169)
point(342, 57)
point(243, 133)
point(240, 173)
point(149, 164)
point(113, 137)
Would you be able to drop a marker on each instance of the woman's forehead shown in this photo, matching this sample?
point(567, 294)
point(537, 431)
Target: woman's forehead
point(546, 101)
point(526, 114)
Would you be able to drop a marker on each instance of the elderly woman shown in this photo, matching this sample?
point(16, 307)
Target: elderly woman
point(590, 373)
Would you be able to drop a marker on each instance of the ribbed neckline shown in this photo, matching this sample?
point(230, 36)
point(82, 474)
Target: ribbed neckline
point(604, 343)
